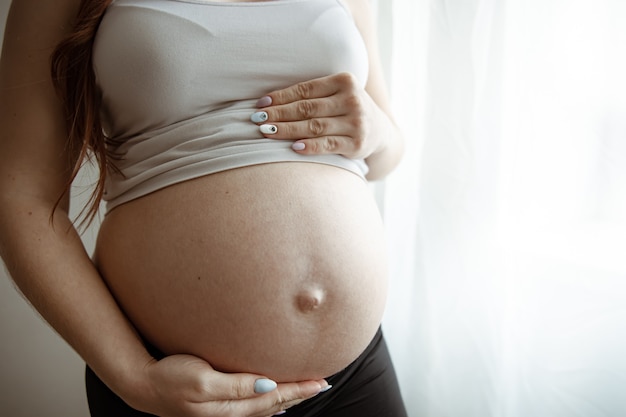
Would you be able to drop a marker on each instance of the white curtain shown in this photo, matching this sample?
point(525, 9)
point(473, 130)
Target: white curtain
point(507, 218)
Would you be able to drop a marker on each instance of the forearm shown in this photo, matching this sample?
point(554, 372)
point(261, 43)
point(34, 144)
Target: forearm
point(49, 264)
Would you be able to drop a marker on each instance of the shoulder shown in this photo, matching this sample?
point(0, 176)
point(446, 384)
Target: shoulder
point(40, 24)
point(358, 8)
point(357, 3)
point(33, 29)
point(362, 13)
point(47, 13)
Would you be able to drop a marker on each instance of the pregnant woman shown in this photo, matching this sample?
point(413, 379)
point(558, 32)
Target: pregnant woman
point(240, 267)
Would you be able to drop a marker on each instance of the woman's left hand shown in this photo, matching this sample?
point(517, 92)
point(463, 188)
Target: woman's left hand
point(328, 115)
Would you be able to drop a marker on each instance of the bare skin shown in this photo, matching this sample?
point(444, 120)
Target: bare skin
point(271, 284)
point(49, 264)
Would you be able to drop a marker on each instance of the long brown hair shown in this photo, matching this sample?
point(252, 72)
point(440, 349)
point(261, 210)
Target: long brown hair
point(74, 80)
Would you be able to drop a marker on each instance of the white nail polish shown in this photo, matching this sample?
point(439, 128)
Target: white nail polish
point(259, 117)
point(264, 385)
point(268, 129)
point(298, 146)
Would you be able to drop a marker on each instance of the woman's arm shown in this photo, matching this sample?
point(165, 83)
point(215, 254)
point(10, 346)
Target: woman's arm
point(45, 255)
point(389, 154)
point(335, 115)
point(48, 262)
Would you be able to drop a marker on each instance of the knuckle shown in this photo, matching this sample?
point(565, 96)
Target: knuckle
point(358, 144)
point(330, 144)
point(239, 389)
point(304, 90)
point(353, 102)
point(324, 146)
point(279, 399)
point(305, 109)
point(316, 127)
point(346, 79)
point(201, 385)
point(357, 123)
point(312, 147)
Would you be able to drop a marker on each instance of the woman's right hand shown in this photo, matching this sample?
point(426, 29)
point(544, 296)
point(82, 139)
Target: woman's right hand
point(187, 386)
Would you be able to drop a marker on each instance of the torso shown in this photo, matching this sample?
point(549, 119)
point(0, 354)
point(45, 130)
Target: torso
point(274, 268)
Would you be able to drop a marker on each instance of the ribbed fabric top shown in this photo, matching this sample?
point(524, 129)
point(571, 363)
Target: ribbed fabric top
point(180, 78)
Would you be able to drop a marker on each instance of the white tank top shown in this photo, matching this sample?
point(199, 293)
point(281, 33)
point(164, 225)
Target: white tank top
point(180, 78)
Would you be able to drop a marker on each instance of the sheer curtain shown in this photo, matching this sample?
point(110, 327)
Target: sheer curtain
point(507, 218)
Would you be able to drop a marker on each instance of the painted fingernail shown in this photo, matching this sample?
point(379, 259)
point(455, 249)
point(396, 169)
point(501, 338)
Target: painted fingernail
point(268, 129)
point(264, 101)
point(298, 146)
point(259, 117)
point(264, 385)
point(326, 388)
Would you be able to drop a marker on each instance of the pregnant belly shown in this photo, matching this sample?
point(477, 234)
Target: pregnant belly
point(275, 269)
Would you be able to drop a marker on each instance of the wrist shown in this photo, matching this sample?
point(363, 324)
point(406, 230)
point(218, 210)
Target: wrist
point(389, 151)
point(131, 381)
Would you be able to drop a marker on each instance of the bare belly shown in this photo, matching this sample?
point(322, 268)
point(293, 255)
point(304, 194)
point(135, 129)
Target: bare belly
point(275, 269)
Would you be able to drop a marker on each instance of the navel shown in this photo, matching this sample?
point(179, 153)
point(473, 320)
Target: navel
point(309, 300)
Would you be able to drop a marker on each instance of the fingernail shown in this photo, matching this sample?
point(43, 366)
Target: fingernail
point(280, 413)
point(326, 388)
point(298, 146)
point(264, 385)
point(259, 117)
point(268, 129)
point(264, 101)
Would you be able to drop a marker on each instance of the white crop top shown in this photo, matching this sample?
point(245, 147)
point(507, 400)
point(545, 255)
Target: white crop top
point(180, 78)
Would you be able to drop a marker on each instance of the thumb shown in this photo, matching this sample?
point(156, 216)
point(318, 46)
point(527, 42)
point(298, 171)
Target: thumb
point(240, 386)
point(243, 386)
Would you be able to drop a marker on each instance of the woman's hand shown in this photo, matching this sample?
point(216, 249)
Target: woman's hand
point(187, 386)
point(331, 114)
